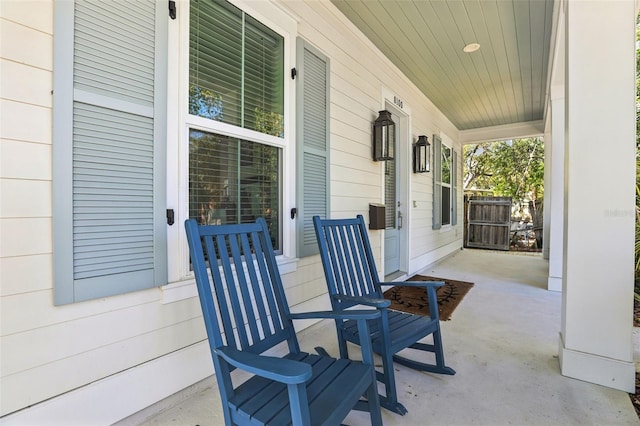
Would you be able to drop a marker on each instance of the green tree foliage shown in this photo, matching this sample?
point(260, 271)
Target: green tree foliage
point(205, 103)
point(511, 168)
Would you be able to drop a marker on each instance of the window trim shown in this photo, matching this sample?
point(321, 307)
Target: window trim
point(448, 185)
point(438, 185)
point(178, 132)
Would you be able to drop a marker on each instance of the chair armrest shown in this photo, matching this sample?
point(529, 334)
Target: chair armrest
point(430, 288)
point(282, 370)
point(354, 314)
point(360, 300)
point(361, 316)
point(415, 284)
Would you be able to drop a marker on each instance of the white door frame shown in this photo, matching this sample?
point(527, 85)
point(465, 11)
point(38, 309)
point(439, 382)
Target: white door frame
point(401, 114)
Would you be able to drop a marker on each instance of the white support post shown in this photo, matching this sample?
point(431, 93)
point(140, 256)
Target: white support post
point(556, 190)
point(597, 314)
point(546, 215)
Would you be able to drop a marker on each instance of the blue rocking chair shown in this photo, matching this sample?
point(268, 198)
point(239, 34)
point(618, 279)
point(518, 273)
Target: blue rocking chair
point(246, 313)
point(352, 278)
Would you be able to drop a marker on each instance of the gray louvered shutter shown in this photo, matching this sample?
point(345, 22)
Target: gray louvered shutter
point(454, 187)
point(109, 227)
point(437, 182)
point(313, 143)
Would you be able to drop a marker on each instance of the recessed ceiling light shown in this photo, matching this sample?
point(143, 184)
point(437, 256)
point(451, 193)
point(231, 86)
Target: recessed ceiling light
point(471, 47)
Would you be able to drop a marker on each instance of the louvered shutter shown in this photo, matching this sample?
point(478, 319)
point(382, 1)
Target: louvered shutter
point(437, 182)
point(313, 143)
point(109, 148)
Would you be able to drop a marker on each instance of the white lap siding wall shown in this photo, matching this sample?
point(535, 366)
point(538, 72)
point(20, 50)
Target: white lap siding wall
point(102, 360)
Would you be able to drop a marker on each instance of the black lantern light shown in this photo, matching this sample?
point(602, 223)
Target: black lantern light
point(384, 137)
point(421, 155)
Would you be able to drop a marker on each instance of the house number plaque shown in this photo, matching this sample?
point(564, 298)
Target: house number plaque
point(397, 101)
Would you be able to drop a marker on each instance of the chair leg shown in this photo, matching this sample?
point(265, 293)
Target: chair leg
point(342, 344)
point(437, 343)
point(421, 366)
point(390, 400)
point(436, 348)
point(374, 403)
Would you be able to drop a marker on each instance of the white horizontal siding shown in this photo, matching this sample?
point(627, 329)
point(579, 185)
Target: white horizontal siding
point(36, 92)
point(97, 330)
point(23, 237)
point(49, 350)
point(18, 275)
point(34, 48)
point(17, 122)
point(65, 374)
point(33, 14)
point(25, 198)
point(25, 160)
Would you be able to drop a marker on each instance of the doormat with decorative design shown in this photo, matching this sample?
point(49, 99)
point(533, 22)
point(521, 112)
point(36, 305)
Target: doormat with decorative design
point(414, 299)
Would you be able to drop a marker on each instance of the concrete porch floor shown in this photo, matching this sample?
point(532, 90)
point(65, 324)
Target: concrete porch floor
point(502, 341)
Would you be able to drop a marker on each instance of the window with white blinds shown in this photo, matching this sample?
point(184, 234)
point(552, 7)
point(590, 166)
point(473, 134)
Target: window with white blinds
point(444, 184)
point(236, 83)
point(236, 68)
point(445, 206)
point(233, 181)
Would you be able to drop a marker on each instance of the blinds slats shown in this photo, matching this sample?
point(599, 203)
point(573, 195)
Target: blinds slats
point(221, 89)
point(454, 187)
point(233, 181)
point(437, 182)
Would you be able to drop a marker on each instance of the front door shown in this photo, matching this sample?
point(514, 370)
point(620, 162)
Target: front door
point(395, 194)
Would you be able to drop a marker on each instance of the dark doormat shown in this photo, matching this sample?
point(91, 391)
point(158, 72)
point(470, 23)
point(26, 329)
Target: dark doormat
point(414, 299)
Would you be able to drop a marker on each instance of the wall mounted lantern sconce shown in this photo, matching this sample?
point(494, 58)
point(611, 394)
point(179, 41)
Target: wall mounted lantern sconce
point(384, 137)
point(421, 155)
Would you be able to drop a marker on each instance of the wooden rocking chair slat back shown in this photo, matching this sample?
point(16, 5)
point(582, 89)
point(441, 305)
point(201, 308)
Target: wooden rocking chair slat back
point(349, 272)
point(246, 314)
point(248, 285)
point(352, 279)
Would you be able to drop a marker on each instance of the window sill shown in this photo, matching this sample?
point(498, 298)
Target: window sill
point(186, 289)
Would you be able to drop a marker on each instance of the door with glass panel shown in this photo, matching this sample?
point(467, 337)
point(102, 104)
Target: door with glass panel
point(396, 194)
point(393, 218)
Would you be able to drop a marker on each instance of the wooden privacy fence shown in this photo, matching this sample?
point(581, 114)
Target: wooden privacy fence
point(488, 222)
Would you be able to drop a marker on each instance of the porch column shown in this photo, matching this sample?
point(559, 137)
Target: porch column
point(597, 300)
point(556, 190)
point(546, 215)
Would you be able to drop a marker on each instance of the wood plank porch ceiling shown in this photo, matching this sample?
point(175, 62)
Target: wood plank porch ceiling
point(503, 83)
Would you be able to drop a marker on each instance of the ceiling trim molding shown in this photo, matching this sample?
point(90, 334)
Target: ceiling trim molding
point(507, 131)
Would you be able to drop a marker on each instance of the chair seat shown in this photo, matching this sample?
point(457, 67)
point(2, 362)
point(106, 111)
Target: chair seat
point(404, 330)
point(335, 386)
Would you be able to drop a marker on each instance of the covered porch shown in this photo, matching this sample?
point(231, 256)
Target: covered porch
point(75, 353)
point(503, 342)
